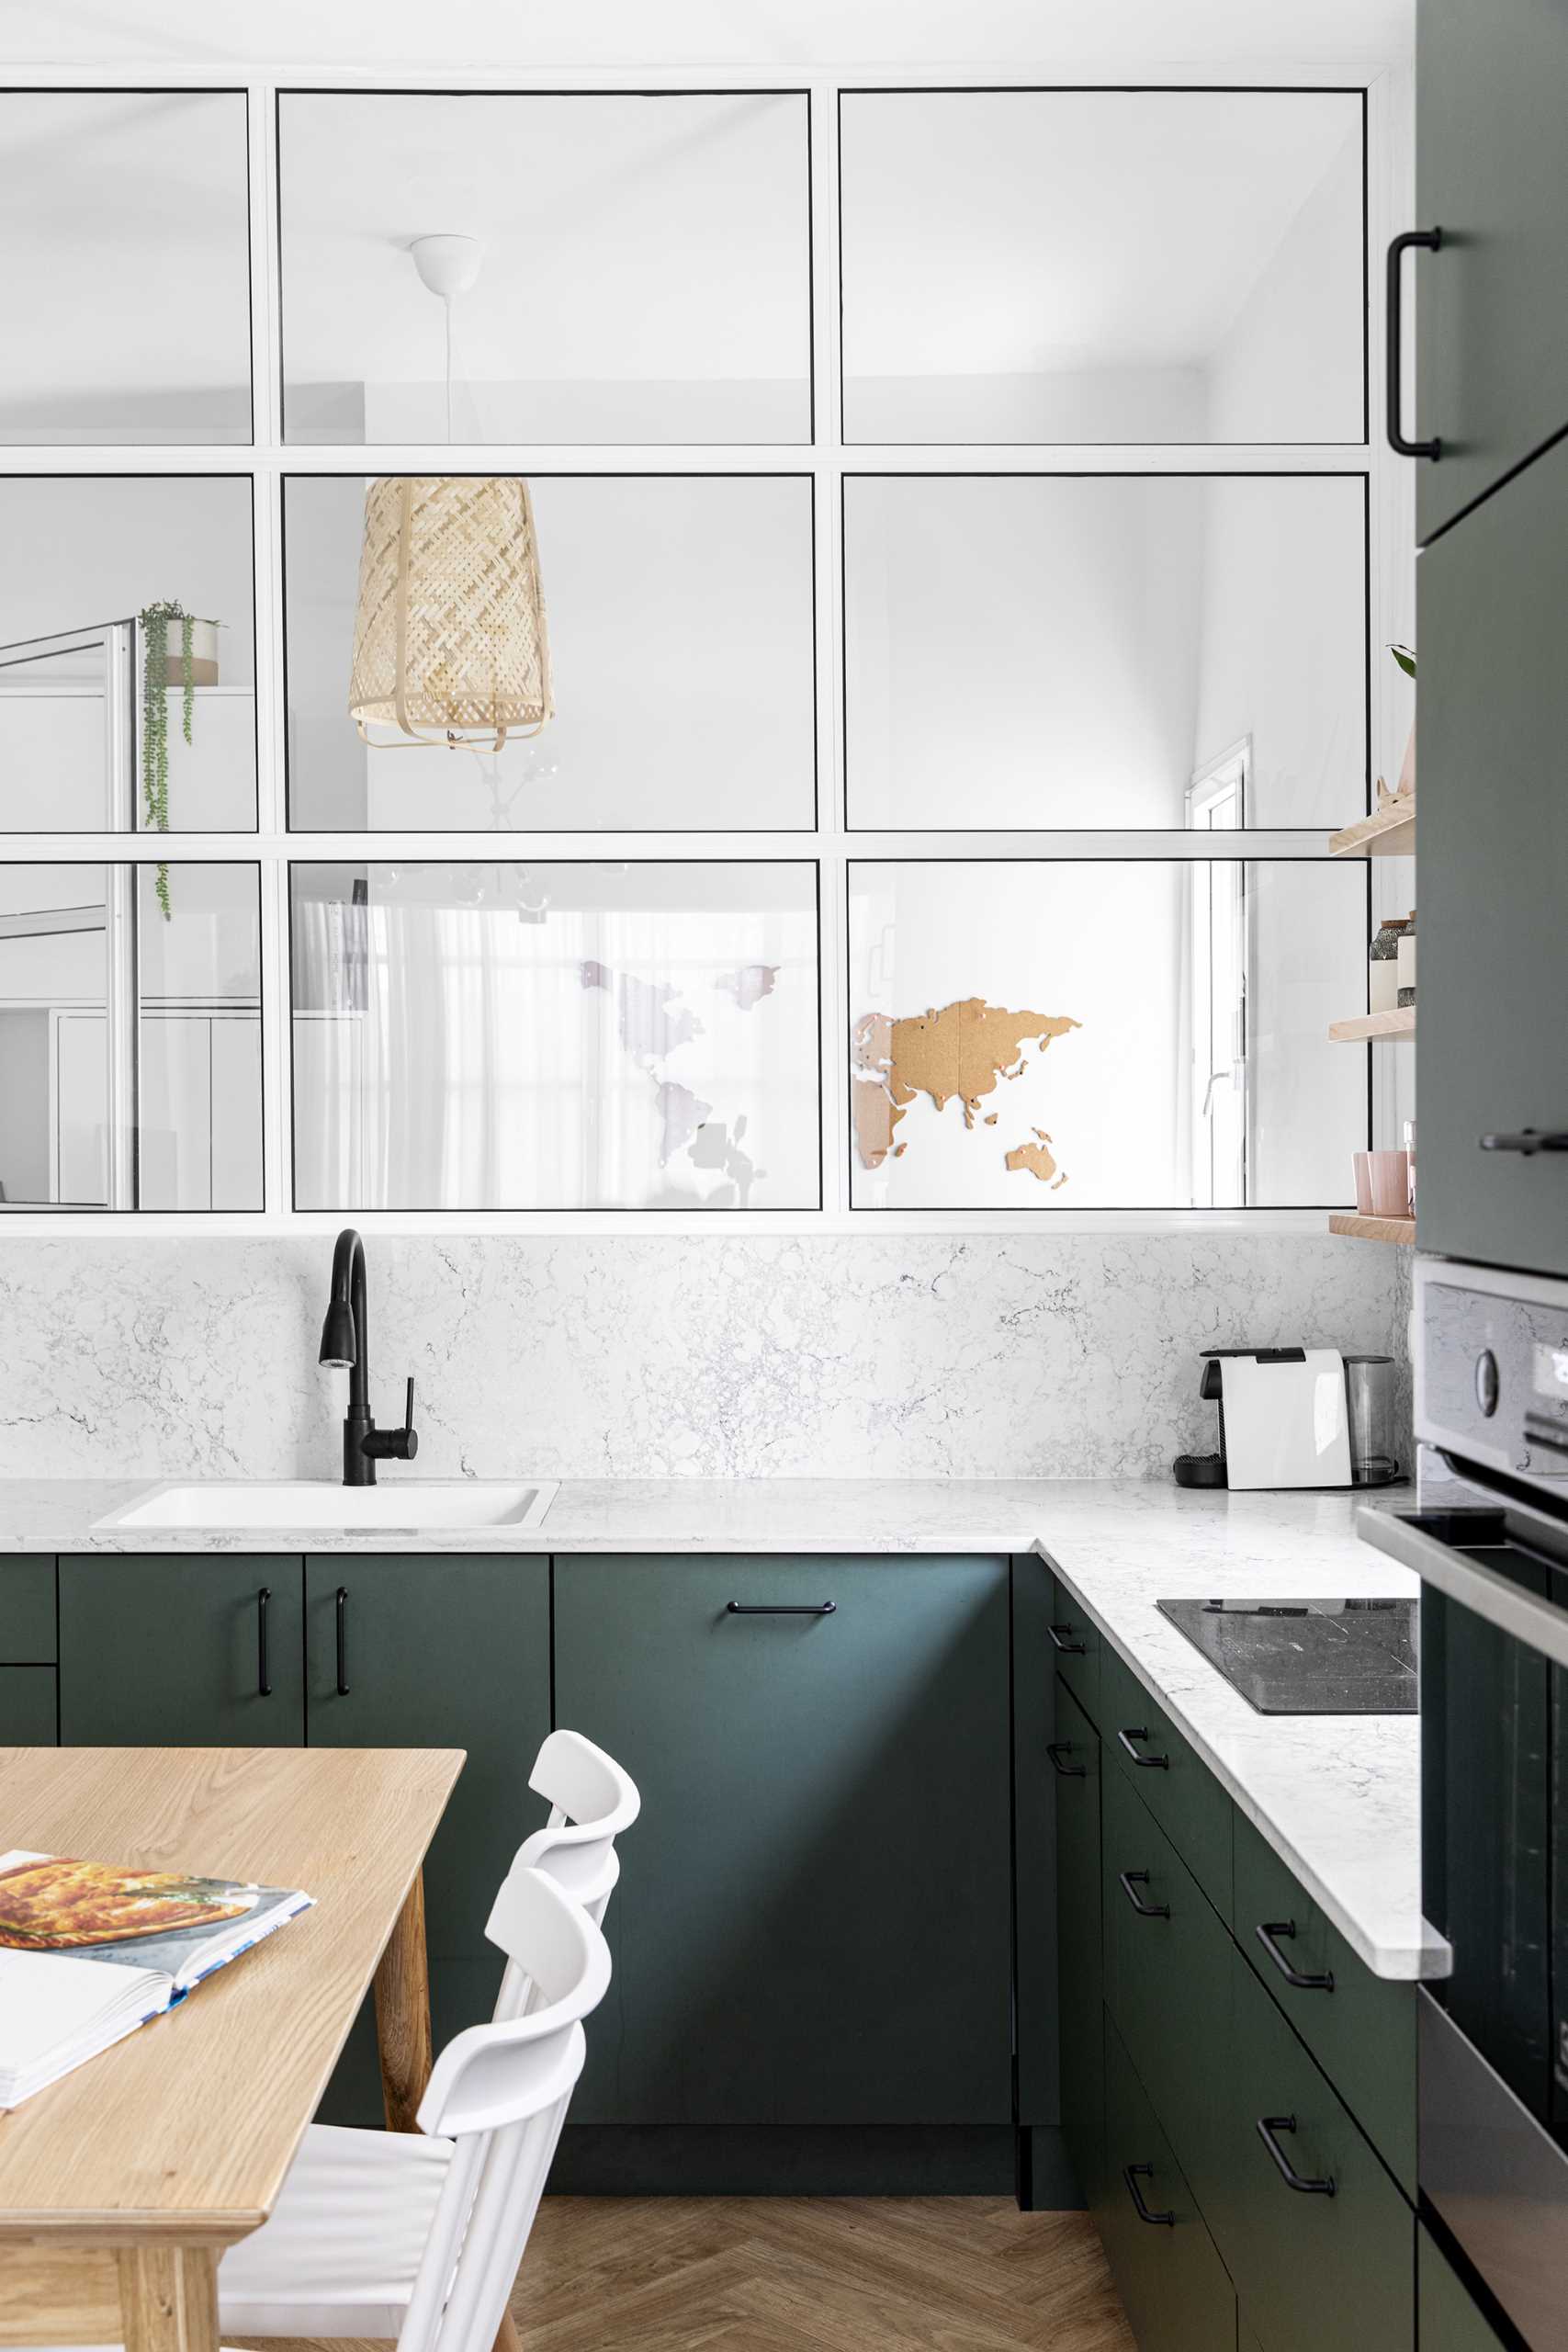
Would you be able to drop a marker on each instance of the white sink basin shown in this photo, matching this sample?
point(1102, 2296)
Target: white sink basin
point(412, 1506)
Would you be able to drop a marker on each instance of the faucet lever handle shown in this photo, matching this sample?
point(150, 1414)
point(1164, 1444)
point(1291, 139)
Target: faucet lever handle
point(410, 1435)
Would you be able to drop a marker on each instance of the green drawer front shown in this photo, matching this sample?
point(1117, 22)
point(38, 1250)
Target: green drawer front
point(26, 1611)
point(1181, 1792)
point(1246, 2341)
point(1081, 1961)
point(28, 1706)
point(1167, 1980)
point(1313, 2269)
point(1176, 2290)
point(1361, 2029)
point(1449, 2322)
point(1076, 1644)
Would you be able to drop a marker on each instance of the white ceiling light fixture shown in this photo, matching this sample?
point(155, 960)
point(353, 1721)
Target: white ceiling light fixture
point(450, 641)
point(447, 266)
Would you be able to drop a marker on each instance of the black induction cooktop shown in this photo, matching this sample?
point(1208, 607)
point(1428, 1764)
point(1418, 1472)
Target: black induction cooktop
point(1308, 1657)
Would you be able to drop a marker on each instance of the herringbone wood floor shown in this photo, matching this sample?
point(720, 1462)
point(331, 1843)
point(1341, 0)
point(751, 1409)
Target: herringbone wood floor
point(775, 2273)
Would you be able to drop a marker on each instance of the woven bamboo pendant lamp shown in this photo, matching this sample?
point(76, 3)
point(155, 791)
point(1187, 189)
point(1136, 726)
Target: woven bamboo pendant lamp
point(450, 644)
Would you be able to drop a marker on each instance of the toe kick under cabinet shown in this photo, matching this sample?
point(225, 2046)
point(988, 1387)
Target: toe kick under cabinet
point(1245, 2130)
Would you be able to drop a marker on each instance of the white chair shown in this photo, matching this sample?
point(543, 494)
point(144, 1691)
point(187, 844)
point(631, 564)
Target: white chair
point(592, 1801)
point(378, 2234)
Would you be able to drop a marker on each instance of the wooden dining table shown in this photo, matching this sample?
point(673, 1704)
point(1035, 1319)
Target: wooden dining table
point(121, 2184)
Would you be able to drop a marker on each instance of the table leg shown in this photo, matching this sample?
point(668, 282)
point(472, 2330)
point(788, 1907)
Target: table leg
point(403, 2014)
point(168, 2297)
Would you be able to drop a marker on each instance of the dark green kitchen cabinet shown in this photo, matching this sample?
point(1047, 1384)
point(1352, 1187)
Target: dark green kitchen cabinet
point(1174, 2288)
point(812, 1927)
point(28, 1706)
point(26, 1610)
point(181, 1650)
point(1492, 327)
point(1448, 2321)
point(1491, 1048)
point(1076, 1764)
point(440, 1652)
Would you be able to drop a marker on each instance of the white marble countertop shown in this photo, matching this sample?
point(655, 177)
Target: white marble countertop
point(1335, 1795)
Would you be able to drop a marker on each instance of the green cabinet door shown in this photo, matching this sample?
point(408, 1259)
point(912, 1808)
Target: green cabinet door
point(182, 1650)
point(1492, 1051)
point(812, 1922)
point(1492, 327)
point(1076, 1764)
point(26, 1610)
point(1448, 2321)
point(1174, 2286)
point(441, 1653)
point(26, 1706)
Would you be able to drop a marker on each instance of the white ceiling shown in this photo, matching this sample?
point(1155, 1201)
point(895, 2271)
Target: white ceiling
point(495, 36)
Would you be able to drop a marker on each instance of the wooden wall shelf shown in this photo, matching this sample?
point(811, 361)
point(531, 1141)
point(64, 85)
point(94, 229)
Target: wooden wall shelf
point(1401, 1022)
point(1400, 1230)
point(1390, 833)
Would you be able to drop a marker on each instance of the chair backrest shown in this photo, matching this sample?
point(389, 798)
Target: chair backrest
point(500, 2092)
point(592, 1801)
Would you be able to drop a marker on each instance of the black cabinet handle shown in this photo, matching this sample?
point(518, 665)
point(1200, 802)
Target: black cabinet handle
point(780, 1608)
point(1428, 241)
point(1149, 1763)
point(1068, 1649)
point(1267, 2127)
point(1286, 1928)
point(1527, 1141)
point(1132, 2174)
point(1055, 1749)
point(1130, 1881)
point(341, 1648)
point(263, 1679)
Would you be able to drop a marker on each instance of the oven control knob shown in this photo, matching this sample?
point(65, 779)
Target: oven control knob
point(1486, 1382)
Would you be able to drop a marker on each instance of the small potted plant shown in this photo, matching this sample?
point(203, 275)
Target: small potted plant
point(192, 664)
point(1404, 659)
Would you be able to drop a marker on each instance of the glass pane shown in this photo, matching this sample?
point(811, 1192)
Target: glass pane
point(129, 1037)
point(631, 268)
point(681, 661)
point(1105, 1034)
point(555, 1037)
point(1120, 633)
point(98, 731)
point(1084, 265)
point(127, 252)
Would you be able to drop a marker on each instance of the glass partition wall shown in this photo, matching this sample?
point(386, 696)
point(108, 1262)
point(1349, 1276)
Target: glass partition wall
point(860, 566)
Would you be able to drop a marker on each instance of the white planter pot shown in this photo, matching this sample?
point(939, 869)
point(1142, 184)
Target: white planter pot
point(203, 654)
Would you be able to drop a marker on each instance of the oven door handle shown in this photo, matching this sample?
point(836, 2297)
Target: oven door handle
point(1522, 1615)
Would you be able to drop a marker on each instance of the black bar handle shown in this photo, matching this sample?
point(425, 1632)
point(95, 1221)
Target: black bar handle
point(342, 1650)
point(1068, 1649)
point(1130, 1880)
point(1148, 1763)
point(1286, 1928)
point(1132, 2174)
point(1055, 1749)
point(1429, 241)
point(1267, 2127)
point(1527, 1141)
point(263, 1679)
point(780, 1608)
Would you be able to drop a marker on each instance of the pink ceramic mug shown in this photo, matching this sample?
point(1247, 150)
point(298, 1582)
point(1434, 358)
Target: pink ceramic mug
point(1388, 1174)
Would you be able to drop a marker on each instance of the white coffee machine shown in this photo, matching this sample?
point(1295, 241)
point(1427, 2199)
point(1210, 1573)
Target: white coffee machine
point(1295, 1417)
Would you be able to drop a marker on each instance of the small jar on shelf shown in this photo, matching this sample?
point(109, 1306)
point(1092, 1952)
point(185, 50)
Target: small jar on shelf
point(1382, 966)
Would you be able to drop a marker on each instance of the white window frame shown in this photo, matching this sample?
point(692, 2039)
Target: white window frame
point(1391, 561)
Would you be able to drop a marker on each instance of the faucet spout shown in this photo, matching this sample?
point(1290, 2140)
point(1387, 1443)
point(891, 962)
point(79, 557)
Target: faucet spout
point(345, 1344)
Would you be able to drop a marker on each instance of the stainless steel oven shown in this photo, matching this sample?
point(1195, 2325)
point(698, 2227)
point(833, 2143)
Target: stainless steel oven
point(1490, 1541)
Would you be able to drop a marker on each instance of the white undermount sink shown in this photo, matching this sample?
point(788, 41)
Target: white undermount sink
point(414, 1506)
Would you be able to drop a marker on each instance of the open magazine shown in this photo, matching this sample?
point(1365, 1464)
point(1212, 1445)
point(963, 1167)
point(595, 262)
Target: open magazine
point(88, 1952)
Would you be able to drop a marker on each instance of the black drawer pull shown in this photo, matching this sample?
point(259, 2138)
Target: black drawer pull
point(1130, 1880)
point(1267, 2127)
point(1055, 1749)
point(342, 1650)
point(1148, 1763)
point(263, 1679)
point(1428, 241)
point(1266, 1935)
point(1132, 2174)
point(1527, 1141)
point(1068, 1649)
point(780, 1608)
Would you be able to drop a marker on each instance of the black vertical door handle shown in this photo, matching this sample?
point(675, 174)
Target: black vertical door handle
point(1428, 241)
point(342, 1606)
point(263, 1679)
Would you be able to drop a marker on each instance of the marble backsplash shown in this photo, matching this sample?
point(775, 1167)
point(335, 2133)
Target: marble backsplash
point(1066, 1356)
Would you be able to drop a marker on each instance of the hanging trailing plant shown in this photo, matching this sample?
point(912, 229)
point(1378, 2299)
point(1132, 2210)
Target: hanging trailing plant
point(155, 620)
